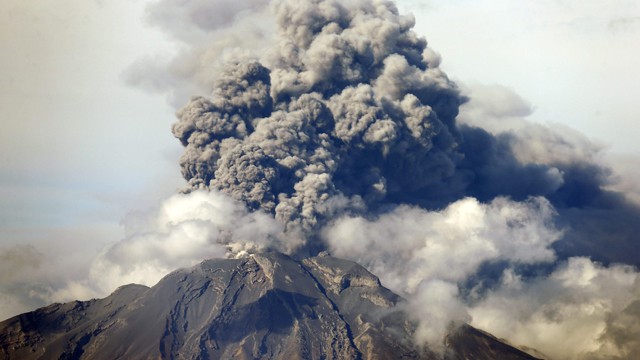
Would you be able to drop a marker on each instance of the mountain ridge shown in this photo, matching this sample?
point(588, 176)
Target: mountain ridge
point(264, 306)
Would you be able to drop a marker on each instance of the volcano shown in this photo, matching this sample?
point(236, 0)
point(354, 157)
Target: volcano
point(263, 306)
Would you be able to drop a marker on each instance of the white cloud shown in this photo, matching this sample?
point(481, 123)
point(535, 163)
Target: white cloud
point(570, 314)
point(183, 231)
point(409, 245)
point(424, 254)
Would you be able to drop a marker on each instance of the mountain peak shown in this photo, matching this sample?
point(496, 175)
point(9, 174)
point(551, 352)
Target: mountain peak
point(263, 306)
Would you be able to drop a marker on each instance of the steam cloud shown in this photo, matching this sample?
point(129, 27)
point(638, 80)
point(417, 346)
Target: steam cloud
point(340, 132)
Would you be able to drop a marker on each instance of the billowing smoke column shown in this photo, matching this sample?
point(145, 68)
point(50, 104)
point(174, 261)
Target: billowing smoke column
point(345, 111)
point(343, 127)
point(353, 114)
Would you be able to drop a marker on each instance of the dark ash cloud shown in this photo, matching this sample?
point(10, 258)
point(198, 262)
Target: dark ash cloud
point(349, 112)
point(351, 105)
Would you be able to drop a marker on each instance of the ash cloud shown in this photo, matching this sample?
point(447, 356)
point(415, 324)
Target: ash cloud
point(347, 111)
point(349, 107)
point(191, 21)
point(596, 205)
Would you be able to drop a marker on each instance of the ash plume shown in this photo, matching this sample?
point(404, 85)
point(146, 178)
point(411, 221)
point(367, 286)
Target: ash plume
point(347, 112)
point(352, 115)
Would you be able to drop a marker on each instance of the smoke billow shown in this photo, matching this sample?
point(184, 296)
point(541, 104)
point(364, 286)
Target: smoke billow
point(352, 114)
point(347, 112)
point(426, 254)
point(181, 231)
point(19, 266)
point(338, 131)
point(581, 310)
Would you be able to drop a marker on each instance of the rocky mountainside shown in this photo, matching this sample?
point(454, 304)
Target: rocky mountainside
point(265, 306)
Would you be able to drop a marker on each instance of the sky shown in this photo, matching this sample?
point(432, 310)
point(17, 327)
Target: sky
point(87, 143)
point(70, 124)
point(574, 62)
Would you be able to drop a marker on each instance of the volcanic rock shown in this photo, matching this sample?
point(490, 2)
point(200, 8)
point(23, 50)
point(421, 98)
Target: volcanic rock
point(264, 306)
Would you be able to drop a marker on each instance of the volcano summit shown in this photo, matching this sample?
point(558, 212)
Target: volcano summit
point(265, 306)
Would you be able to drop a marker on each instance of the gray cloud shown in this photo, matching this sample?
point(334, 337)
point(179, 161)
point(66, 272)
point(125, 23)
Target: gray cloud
point(621, 334)
point(16, 260)
point(355, 107)
point(624, 24)
point(194, 20)
point(576, 312)
point(207, 35)
point(180, 232)
point(24, 283)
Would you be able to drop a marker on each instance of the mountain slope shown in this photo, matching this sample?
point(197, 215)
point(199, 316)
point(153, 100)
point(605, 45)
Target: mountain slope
point(266, 306)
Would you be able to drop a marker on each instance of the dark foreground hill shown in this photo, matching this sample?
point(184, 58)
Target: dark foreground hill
point(266, 306)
